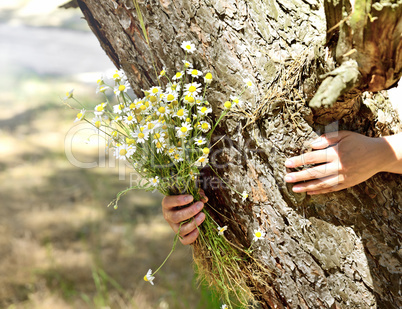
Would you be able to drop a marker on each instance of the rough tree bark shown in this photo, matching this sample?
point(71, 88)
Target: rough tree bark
point(339, 250)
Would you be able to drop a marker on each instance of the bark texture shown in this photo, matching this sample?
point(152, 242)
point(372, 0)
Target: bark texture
point(339, 250)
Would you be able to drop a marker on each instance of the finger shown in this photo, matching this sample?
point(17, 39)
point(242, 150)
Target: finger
point(314, 157)
point(192, 225)
point(316, 172)
point(177, 216)
point(190, 238)
point(328, 190)
point(328, 139)
point(319, 184)
point(204, 198)
point(172, 201)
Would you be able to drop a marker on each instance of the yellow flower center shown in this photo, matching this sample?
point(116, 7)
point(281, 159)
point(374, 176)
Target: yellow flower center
point(203, 110)
point(121, 106)
point(139, 118)
point(122, 88)
point(116, 118)
point(157, 135)
point(99, 108)
point(132, 106)
point(153, 99)
point(114, 133)
point(102, 89)
point(188, 120)
point(79, 115)
point(180, 112)
point(200, 141)
point(129, 141)
point(129, 118)
point(205, 150)
point(189, 99)
point(151, 125)
point(174, 86)
point(123, 152)
point(97, 124)
point(161, 109)
point(141, 135)
point(143, 107)
point(222, 230)
point(170, 97)
point(228, 104)
point(155, 90)
point(258, 234)
point(249, 83)
point(236, 100)
point(164, 127)
point(192, 88)
point(145, 278)
point(162, 73)
point(183, 129)
point(175, 102)
point(194, 72)
point(116, 76)
point(158, 145)
point(178, 74)
point(186, 64)
point(179, 143)
point(205, 126)
point(188, 47)
point(208, 76)
point(202, 159)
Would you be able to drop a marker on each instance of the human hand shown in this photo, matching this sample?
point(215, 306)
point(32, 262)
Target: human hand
point(346, 159)
point(174, 216)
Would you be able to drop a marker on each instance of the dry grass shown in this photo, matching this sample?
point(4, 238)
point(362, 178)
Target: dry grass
point(60, 246)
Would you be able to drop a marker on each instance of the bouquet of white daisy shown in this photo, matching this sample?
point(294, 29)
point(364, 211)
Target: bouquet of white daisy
point(165, 137)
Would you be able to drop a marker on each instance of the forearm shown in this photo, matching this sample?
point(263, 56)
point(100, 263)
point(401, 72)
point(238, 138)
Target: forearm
point(394, 143)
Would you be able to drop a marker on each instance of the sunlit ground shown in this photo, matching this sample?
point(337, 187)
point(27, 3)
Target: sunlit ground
point(60, 246)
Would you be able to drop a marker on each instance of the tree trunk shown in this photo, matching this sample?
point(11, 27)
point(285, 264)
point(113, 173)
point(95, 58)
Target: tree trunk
point(338, 250)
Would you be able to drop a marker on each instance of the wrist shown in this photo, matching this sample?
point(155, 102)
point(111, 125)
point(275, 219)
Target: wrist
point(391, 153)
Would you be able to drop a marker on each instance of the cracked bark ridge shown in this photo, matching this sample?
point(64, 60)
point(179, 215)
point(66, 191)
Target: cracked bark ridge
point(340, 250)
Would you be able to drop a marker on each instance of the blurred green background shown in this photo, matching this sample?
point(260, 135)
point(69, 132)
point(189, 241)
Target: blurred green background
point(60, 246)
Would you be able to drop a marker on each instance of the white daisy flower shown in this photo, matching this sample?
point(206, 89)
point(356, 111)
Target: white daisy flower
point(187, 64)
point(118, 108)
point(121, 88)
point(140, 135)
point(181, 114)
point(160, 146)
point(248, 83)
point(192, 89)
point(118, 76)
point(80, 115)
point(173, 87)
point(121, 152)
point(155, 181)
point(171, 96)
point(97, 121)
point(162, 73)
point(178, 156)
point(183, 130)
point(208, 78)
point(178, 75)
point(221, 230)
point(258, 234)
point(188, 47)
point(224, 306)
point(194, 72)
point(244, 196)
point(236, 100)
point(149, 278)
point(102, 88)
point(100, 109)
point(151, 126)
point(69, 94)
point(204, 110)
point(172, 150)
point(203, 160)
point(117, 118)
point(162, 110)
point(204, 126)
point(200, 141)
point(189, 99)
point(155, 90)
point(129, 119)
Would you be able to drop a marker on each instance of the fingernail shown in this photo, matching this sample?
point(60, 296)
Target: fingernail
point(288, 178)
point(296, 189)
point(317, 141)
point(188, 198)
point(288, 163)
point(199, 205)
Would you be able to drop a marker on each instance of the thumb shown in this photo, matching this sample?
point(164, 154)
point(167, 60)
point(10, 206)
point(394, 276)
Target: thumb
point(328, 139)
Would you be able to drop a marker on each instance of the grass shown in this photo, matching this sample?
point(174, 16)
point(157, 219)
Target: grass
point(61, 247)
